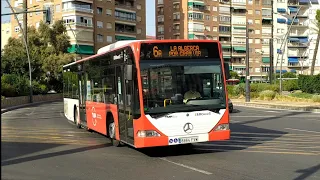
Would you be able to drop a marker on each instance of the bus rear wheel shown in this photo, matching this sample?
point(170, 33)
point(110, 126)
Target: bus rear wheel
point(76, 117)
point(112, 133)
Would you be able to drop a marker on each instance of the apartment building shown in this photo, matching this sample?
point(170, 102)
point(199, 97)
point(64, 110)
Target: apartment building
point(91, 24)
point(226, 21)
point(5, 33)
point(296, 18)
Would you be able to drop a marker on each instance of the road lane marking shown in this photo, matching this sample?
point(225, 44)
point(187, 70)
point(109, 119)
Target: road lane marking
point(266, 152)
point(188, 167)
point(302, 130)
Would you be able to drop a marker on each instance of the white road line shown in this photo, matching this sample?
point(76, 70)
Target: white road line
point(302, 130)
point(253, 116)
point(188, 167)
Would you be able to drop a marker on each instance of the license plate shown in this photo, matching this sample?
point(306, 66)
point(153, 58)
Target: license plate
point(188, 140)
point(183, 140)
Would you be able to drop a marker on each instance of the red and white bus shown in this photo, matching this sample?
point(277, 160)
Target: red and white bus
point(134, 92)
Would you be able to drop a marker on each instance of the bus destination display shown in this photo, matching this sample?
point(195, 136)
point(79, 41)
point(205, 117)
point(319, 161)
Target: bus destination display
point(179, 50)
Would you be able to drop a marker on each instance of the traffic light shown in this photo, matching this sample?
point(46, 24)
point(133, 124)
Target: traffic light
point(48, 15)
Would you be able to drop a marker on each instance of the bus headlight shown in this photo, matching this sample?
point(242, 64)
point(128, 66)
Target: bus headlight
point(222, 127)
point(148, 133)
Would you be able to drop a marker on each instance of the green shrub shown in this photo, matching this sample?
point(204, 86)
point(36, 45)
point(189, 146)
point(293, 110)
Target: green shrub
point(301, 95)
point(230, 90)
point(309, 84)
point(290, 85)
point(15, 85)
point(267, 95)
point(39, 88)
point(254, 95)
point(316, 98)
point(239, 89)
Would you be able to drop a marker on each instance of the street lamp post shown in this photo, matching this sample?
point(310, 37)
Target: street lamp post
point(247, 64)
point(285, 40)
point(24, 37)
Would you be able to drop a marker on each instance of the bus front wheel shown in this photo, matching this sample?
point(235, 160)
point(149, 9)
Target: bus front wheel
point(112, 133)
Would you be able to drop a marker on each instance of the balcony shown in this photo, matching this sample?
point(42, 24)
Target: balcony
point(224, 2)
point(79, 24)
point(297, 45)
point(126, 17)
point(176, 31)
point(123, 28)
point(78, 9)
point(297, 54)
point(124, 4)
point(299, 3)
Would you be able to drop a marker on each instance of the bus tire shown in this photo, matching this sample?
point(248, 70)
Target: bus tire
point(76, 116)
point(112, 131)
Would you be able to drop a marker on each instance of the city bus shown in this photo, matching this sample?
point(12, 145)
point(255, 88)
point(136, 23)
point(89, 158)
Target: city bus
point(149, 93)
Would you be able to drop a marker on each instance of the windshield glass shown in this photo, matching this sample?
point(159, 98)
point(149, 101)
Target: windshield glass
point(182, 85)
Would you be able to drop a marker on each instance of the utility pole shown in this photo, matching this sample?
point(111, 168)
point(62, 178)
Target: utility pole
point(247, 64)
point(271, 46)
point(25, 19)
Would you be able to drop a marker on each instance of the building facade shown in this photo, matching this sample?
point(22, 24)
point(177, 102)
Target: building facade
point(6, 32)
point(91, 24)
point(226, 21)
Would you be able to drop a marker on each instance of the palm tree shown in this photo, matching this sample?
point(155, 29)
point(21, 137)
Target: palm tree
point(316, 30)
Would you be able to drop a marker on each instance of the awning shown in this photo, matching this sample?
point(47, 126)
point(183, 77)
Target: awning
point(293, 60)
point(195, 3)
point(279, 51)
point(81, 49)
point(239, 27)
point(281, 10)
point(293, 9)
point(290, 21)
point(303, 40)
point(119, 38)
point(244, 7)
point(190, 36)
point(283, 71)
point(226, 57)
point(226, 46)
point(304, 1)
point(266, 59)
point(268, 19)
point(294, 39)
point(281, 20)
point(239, 48)
point(314, 1)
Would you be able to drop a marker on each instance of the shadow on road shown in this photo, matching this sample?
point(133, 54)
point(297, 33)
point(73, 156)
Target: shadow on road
point(242, 137)
point(307, 172)
point(42, 156)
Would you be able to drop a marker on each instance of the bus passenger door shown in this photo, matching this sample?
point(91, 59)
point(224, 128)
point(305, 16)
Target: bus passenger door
point(121, 102)
point(82, 98)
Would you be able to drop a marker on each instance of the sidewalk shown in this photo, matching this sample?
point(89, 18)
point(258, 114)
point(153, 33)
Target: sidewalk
point(300, 106)
point(25, 105)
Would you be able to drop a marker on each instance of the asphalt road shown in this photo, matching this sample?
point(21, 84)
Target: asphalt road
point(39, 143)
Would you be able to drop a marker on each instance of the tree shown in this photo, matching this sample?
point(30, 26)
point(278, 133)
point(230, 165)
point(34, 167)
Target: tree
point(48, 53)
point(316, 30)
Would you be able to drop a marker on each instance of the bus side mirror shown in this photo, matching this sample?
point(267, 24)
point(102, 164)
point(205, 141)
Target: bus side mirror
point(128, 71)
point(227, 70)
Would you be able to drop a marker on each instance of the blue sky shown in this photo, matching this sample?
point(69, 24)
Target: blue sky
point(150, 10)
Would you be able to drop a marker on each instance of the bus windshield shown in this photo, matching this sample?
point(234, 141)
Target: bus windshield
point(182, 85)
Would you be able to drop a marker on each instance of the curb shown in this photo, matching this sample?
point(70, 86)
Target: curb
point(281, 107)
point(25, 105)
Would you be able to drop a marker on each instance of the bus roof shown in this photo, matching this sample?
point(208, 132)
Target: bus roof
point(124, 43)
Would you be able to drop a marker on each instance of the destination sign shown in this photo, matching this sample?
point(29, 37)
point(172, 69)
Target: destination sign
point(179, 50)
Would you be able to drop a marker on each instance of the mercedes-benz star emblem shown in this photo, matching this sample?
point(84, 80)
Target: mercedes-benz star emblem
point(188, 127)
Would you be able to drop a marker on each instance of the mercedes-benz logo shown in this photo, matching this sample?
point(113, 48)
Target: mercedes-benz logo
point(188, 127)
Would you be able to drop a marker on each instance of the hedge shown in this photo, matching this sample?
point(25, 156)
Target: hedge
point(309, 84)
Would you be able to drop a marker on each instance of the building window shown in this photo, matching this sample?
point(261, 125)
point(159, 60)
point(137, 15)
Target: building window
point(99, 10)
point(109, 26)
point(58, 8)
point(99, 24)
point(99, 37)
point(139, 6)
point(257, 12)
point(139, 31)
point(109, 12)
point(109, 39)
